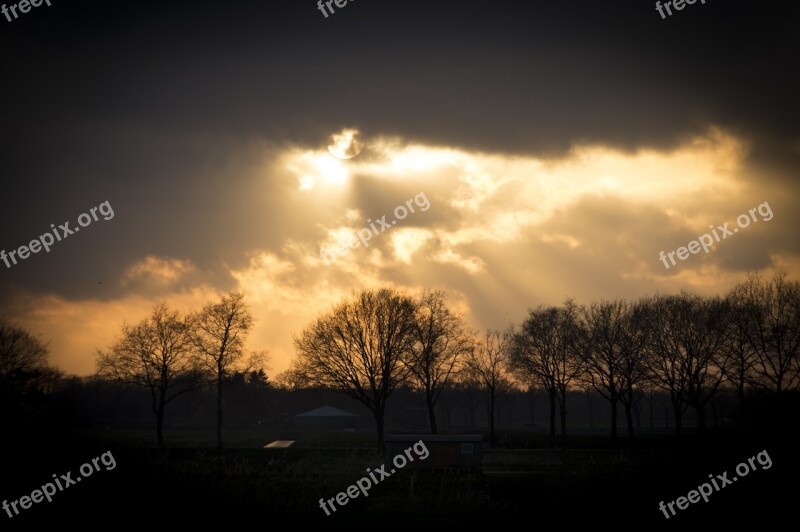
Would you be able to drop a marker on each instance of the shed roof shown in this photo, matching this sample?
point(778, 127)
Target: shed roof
point(326, 411)
point(434, 437)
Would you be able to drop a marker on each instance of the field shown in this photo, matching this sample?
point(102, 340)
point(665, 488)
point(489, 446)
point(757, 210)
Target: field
point(584, 483)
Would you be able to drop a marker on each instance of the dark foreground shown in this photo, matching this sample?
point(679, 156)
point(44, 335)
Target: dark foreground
point(587, 484)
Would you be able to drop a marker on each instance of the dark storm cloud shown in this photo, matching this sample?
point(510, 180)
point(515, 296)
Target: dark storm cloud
point(153, 105)
point(519, 76)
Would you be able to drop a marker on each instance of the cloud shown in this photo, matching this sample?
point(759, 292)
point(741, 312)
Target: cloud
point(156, 275)
point(502, 233)
point(76, 329)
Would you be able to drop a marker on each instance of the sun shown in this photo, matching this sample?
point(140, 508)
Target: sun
point(346, 144)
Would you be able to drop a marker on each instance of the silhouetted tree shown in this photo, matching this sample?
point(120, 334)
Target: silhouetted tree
point(441, 341)
point(292, 379)
point(741, 357)
point(358, 348)
point(773, 328)
point(546, 349)
point(686, 335)
point(487, 366)
point(218, 334)
point(258, 378)
point(634, 371)
point(156, 354)
point(20, 352)
point(24, 372)
point(601, 350)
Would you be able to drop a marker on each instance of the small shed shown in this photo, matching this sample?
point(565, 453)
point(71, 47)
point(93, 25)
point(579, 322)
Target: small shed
point(279, 444)
point(325, 418)
point(446, 450)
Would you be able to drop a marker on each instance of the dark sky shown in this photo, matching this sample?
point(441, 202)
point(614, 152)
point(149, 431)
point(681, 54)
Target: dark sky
point(178, 113)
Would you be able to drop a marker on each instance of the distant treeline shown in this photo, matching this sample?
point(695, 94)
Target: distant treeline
point(683, 351)
point(685, 345)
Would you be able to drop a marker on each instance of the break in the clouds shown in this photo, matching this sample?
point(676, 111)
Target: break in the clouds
point(501, 233)
point(561, 145)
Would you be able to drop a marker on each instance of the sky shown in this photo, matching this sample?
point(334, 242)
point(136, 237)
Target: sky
point(549, 150)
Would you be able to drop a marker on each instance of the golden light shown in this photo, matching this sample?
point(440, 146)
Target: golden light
point(313, 168)
point(346, 144)
point(306, 182)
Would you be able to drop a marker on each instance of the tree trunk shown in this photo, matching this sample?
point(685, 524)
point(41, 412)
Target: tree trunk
point(741, 396)
point(715, 412)
point(160, 424)
point(677, 413)
point(491, 417)
point(614, 419)
point(552, 442)
point(219, 409)
point(629, 418)
point(533, 406)
point(701, 417)
point(652, 395)
point(379, 426)
point(591, 412)
point(431, 413)
point(562, 404)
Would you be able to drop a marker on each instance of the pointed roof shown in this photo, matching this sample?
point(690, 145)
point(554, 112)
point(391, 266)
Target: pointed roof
point(326, 411)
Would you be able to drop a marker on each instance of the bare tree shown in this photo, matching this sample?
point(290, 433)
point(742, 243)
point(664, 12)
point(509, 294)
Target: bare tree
point(601, 349)
point(668, 366)
point(686, 337)
point(487, 366)
point(612, 349)
point(155, 354)
point(441, 341)
point(739, 352)
point(634, 371)
point(546, 349)
point(358, 348)
point(22, 355)
point(218, 334)
point(773, 328)
point(292, 379)
point(24, 372)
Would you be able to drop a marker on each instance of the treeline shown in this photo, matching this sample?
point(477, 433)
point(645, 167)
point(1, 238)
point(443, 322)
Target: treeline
point(686, 345)
point(168, 354)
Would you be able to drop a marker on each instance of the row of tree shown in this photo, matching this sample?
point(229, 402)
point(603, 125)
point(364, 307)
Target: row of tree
point(373, 342)
point(684, 344)
point(170, 353)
